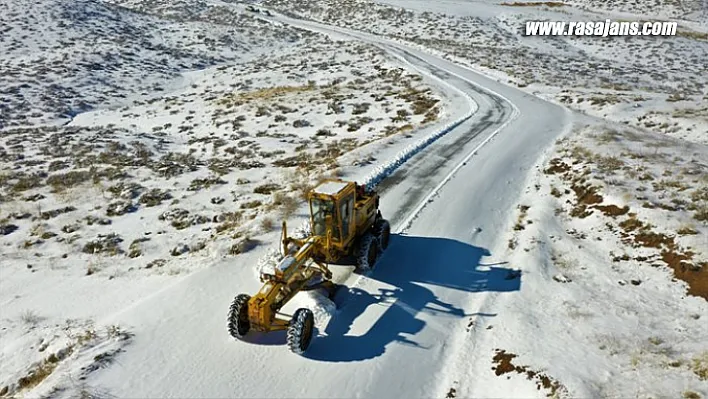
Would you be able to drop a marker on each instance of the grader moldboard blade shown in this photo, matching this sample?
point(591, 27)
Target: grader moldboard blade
point(345, 222)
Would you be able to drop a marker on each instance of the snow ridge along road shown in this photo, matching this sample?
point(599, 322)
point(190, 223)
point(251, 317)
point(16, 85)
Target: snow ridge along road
point(393, 337)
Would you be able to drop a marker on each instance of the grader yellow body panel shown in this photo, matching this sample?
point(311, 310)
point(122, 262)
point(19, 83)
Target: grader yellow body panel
point(345, 222)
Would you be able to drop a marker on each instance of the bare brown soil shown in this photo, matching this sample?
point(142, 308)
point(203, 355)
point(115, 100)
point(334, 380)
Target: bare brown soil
point(502, 359)
point(612, 210)
point(639, 234)
point(557, 166)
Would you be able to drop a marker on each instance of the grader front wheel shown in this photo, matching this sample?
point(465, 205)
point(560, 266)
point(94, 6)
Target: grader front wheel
point(300, 330)
point(238, 316)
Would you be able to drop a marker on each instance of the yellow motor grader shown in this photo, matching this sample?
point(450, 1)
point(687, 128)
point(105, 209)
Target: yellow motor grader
point(346, 226)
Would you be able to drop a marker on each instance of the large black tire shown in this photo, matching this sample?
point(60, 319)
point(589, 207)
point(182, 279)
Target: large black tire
point(382, 230)
point(300, 331)
point(239, 325)
point(367, 252)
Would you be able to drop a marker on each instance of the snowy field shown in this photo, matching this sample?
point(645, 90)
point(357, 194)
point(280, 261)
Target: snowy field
point(156, 143)
point(657, 83)
point(610, 235)
point(150, 149)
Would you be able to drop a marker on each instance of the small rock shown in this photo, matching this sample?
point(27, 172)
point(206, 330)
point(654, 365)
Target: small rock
point(63, 353)
point(6, 229)
point(119, 208)
point(217, 200)
point(70, 228)
point(561, 278)
point(104, 243)
point(154, 197)
point(197, 246)
point(47, 235)
point(636, 282)
point(56, 212)
point(127, 191)
point(91, 220)
point(179, 250)
point(156, 263)
point(622, 282)
point(174, 214)
point(35, 197)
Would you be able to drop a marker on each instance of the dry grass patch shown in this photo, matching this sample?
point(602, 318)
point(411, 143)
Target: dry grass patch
point(701, 213)
point(230, 221)
point(251, 204)
point(30, 318)
point(268, 93)
point(523, 212)
point(267, 224)
point(687, 230)
point(608, 164)
point(608, 136)
point(699, 366)
point(244, 245)
point(285, 204)
point(39, 373)
point(535, 4)
point(266, 188)
point(692, 34)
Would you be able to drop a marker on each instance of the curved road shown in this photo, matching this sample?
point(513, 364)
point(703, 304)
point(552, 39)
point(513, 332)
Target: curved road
point(398, 327)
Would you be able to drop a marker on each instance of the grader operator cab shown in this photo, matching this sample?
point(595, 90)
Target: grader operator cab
point(346, 225)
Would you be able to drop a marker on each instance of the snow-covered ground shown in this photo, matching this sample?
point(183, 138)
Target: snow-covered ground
point(610, 240)
point(150, 148)
point(658, 83)
point(164, 170)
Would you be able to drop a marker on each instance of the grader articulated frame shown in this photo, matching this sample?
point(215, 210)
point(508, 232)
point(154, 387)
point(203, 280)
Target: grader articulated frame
point(345, 223)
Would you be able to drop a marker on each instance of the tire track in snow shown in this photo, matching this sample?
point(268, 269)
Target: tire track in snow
point(491, 117)
point(444, 153)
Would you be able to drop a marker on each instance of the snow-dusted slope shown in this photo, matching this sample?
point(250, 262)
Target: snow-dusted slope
point(61, 58)
point(658, 83)
point(433, 319)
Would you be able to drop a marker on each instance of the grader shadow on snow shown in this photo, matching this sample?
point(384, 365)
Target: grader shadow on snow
point(409, 263)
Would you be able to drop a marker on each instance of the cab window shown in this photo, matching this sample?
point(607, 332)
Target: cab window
point(346, 209)
point(321, 209)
